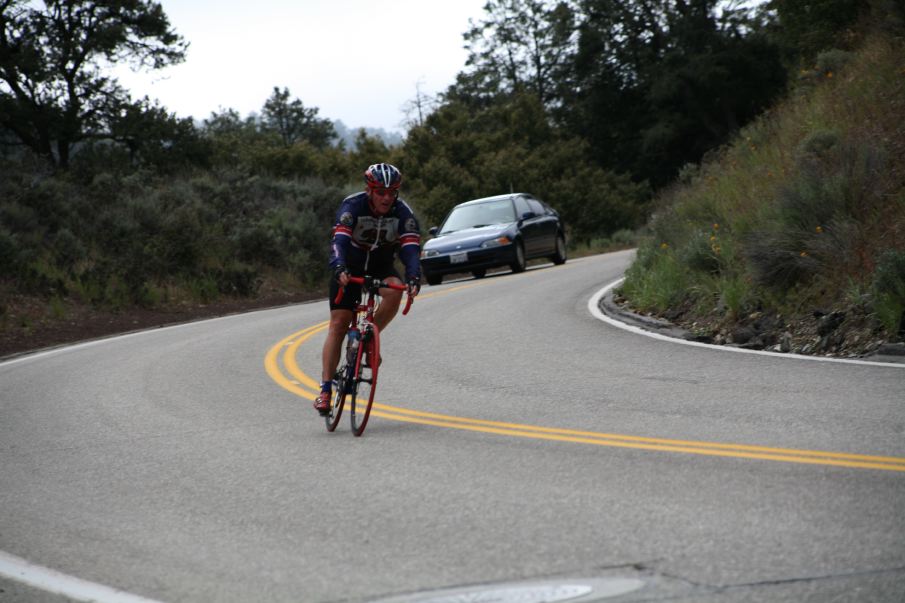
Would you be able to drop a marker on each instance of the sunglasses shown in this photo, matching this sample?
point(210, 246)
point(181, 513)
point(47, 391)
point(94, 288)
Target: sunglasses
point(385, 192)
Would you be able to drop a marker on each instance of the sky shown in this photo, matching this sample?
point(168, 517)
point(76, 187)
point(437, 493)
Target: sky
point(357, 61)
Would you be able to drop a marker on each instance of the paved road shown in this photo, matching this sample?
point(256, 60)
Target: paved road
point(519, 439)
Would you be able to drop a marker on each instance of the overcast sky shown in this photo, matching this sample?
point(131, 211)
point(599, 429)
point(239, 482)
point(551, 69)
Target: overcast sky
point(357, 61)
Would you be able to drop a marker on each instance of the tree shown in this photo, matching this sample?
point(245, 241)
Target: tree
point(656, 84)
point(460, 154)
point(293, 122)
point(417, 108)
point(235, 141)
point(54, 93)
point(152, 135)
point(805, 27)
point(523, 45)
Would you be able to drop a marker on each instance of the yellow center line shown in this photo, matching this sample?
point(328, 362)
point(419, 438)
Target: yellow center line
point(306, 387)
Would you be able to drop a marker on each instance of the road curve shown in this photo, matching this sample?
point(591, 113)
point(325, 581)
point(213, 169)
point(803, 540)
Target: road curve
point(519, 439)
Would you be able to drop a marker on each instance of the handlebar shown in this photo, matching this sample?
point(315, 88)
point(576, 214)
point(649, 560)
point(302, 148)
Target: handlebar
point(370, 282)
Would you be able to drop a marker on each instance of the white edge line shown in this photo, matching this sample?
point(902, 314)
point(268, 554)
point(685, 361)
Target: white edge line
point(594, 309)
point(69, 347)
point(46, 579)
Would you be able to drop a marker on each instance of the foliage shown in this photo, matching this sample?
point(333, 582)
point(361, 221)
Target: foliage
point(459, 155)
point(806, 203)
point(121, 240)
point(674, 80)
point(294, 123)
point(521, 46)
point(803, 28)
point(655, 281)
point(593, 105)
point(888, 289)
point(53, 91)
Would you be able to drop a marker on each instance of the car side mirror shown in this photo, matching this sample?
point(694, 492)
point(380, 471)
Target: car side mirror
point(434, 230)
point(528, 215)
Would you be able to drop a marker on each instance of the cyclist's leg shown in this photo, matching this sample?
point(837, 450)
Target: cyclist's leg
point(339, 326)
point(389, 303)
point(341, 315)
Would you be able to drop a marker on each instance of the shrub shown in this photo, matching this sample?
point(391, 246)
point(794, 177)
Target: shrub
point(9, 254)
point(656, 281)
point(822, 215)
point(833, 60)
point(889, 291)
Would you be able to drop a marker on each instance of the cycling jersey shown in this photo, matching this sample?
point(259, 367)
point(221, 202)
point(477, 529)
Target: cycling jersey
point(361, 238)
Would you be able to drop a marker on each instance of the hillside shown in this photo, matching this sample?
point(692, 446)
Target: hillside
point(792, 237)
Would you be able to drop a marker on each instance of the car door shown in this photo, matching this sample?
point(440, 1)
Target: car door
point(545, 228)
point(528, 226)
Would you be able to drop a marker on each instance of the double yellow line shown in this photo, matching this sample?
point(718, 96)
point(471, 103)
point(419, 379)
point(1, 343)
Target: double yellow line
point(280, 363)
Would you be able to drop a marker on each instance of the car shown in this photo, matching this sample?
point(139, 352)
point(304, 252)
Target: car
point(505, 230)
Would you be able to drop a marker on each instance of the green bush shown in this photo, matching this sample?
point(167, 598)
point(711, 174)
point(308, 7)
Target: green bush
point(833, 60)
point(656, 281)
point(889, 291)
point(818, 226)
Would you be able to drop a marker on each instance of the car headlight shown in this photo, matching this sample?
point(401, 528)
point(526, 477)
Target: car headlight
point(496, 242)
point(429, 253)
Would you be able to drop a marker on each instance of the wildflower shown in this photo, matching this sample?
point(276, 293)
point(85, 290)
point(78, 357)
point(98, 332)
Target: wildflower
point(804, 254)
point(716, 226)
point(712, 238)
point(819, 229)
point(664, 245)
point(829, 74)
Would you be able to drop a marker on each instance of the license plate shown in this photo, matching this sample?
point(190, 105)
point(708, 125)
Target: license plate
point(458, 258)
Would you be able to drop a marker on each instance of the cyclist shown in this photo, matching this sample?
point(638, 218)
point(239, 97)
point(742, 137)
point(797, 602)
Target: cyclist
point(371, 228)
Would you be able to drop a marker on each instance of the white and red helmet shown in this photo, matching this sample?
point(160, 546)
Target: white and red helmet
point(383, 175)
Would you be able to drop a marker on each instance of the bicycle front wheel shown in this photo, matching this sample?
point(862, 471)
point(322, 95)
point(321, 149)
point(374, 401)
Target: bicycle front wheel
point(338, 400)
point(365, 381)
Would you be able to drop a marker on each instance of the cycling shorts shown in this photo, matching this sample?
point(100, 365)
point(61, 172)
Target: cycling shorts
point(352, 295)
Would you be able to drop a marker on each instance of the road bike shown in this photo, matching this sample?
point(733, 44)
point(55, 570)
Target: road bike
point(356, 378)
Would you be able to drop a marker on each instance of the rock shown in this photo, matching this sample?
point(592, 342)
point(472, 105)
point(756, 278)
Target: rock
point(699, 337)
point(754, 344)
point(768, 338)
point(828, 323)
point(785, 343)
point(672, 314)
point(742, 334)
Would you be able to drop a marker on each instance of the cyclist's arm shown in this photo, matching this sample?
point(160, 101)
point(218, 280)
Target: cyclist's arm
point(342, 235)
point(410, 241)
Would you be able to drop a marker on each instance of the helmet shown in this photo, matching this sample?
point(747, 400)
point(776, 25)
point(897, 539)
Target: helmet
point(383, 175)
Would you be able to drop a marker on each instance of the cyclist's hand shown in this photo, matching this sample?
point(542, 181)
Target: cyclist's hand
point(342, 275)
point(414, 286)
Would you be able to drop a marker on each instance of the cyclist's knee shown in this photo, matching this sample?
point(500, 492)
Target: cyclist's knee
point(391, 296)
point(339, 322)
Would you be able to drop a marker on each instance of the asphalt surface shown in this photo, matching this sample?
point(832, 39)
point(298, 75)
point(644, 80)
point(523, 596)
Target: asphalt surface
point(181, 464)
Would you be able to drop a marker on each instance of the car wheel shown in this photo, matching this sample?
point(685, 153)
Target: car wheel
point(519, 264)
point(434, 279)
point(479, 273)
point(559, 256)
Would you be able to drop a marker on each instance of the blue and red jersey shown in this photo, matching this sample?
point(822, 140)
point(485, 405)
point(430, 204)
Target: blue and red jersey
point(362, 238)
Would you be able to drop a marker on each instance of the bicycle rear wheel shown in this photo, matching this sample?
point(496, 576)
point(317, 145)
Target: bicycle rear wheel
point(365, 382)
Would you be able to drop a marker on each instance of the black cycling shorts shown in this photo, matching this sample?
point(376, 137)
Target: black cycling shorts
point(352, 294)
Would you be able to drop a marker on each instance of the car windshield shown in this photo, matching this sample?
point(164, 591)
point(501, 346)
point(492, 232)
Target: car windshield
point(480, 214)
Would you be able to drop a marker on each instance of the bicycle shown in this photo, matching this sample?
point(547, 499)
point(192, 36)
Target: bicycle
point(357, 376)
